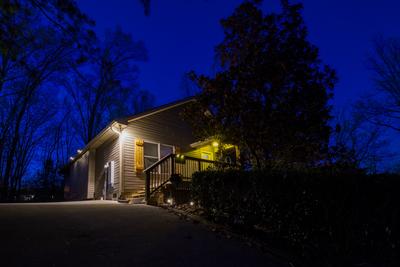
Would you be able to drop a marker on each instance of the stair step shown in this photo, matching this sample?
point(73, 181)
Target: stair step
point(137, 200)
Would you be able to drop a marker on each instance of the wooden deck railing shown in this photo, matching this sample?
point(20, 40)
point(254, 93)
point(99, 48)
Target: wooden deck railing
point(159, 174)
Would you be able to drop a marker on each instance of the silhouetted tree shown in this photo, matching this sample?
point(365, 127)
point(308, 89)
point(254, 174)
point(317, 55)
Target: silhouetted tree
point(382, 107)
point(49, 185)
point(357, 144)
point(39, 40)
point(270, 94)
point(103, 88)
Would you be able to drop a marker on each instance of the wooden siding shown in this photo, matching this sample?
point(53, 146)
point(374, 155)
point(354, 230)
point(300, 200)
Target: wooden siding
point(165, 127)
point(196, 153)
point(109, 151)
point(76, 185)
point(91, 173)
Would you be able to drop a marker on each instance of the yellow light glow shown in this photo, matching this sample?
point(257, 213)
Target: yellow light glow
point(215, 144)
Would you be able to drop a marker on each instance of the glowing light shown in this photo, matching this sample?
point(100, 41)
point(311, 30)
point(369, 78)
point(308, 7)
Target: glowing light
point(191, 203)
point(215, 144)
point(79, 151)
point(170, 201)
point(106, 166)
point(71, 158)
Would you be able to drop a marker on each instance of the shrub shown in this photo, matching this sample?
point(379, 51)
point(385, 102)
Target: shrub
point(335, 219)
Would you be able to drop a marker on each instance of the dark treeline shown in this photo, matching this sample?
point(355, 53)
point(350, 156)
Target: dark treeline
point(59, 85)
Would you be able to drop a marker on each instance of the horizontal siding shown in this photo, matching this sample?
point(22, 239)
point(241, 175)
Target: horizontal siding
point(77, 181)
point(91, 173)
point(109, 151)
point(166, 127)
point(196, 153)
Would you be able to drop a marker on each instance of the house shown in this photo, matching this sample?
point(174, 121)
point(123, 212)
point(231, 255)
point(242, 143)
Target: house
point(137, 155)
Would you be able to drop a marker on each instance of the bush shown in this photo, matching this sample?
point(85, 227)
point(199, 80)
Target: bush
point(330, 219)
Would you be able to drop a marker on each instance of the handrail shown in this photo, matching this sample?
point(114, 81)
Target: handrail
point(159, 173)
point(158, 162)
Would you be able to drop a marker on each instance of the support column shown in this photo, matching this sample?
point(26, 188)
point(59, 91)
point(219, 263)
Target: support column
point(91, 173)
point(121, 164)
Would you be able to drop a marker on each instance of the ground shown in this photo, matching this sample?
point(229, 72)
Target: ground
point(110, 234)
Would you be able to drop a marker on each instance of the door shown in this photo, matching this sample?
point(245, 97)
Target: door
point(108, 188)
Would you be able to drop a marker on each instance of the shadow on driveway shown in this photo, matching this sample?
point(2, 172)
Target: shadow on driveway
point(105, 233)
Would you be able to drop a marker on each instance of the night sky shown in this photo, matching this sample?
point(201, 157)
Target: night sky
point(180, 35)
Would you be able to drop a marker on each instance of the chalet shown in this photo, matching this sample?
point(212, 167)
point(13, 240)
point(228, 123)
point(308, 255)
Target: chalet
point(136, 156)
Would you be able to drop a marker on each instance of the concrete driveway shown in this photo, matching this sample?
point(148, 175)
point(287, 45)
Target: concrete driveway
point(102, 233)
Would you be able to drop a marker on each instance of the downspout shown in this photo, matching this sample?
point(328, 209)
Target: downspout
point(121, 164)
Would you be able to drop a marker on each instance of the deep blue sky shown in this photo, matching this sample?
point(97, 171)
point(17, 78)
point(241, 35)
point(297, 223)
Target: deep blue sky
point(180, 35)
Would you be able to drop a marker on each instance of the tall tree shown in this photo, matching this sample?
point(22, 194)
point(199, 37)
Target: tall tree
point(103, 88)
point(270, 94)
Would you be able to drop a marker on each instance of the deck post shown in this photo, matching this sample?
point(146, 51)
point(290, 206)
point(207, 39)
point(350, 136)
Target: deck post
point(147, 187)
point(172, 164)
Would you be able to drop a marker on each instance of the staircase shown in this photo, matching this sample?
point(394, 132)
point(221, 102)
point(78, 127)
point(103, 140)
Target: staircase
point(173, 171)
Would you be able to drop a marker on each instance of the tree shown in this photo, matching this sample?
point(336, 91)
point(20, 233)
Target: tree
point(39, 40)
point(382, 107)
point(270, 94)
point(102, 89)
point(357, 144)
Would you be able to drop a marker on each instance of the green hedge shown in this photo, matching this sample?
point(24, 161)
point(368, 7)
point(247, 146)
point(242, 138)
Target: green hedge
point(330, 219)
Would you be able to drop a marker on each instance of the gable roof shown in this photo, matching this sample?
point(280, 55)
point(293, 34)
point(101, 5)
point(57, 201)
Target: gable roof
point(116, 125)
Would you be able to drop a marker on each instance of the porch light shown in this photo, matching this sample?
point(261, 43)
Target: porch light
point(191, 203)
point(170, 201)
point(215, 144)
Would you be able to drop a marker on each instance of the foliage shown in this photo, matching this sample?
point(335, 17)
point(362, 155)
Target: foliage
point(270, 93)
point(328, 218)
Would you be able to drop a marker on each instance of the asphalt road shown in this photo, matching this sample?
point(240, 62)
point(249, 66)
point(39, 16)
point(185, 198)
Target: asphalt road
point(102, 233)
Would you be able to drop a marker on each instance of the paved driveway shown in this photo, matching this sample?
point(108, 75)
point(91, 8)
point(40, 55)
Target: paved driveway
point(101, 233)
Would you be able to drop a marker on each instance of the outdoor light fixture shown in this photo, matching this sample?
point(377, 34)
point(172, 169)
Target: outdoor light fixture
point(215, 144)
point(191, 203)
point(169, 201)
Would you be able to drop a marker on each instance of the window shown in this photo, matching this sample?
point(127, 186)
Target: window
point(150, 153)
point(153, 152)
point(206, 155)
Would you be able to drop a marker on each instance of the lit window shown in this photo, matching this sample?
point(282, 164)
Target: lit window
point(206, 155)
